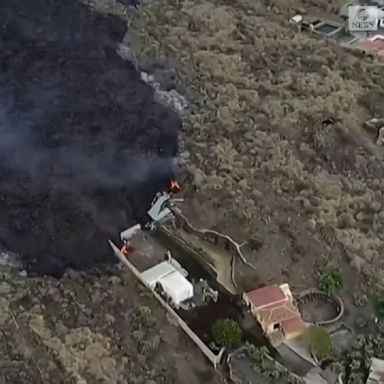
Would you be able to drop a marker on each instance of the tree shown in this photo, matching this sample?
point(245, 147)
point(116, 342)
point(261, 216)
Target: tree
point(319, 341)
point(330, 280)
point(227, 333)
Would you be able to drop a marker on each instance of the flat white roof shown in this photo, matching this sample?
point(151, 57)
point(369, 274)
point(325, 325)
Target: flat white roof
point(177, 287)
point(376, 371)
point(154, 274)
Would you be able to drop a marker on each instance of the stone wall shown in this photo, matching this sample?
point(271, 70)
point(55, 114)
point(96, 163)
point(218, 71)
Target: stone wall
point(312, 294)
point(214, 359)
point(215, 238)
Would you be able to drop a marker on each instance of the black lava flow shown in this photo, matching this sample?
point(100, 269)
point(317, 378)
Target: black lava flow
point(83, 145)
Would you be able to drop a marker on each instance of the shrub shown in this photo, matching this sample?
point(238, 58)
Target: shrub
point(227, 333)
point(330, 280)
point(142, 317)
point(319, 341)
point(380, 307)
point(265, 365)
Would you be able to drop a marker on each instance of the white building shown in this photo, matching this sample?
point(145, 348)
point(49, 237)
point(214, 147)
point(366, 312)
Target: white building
point(174, 284)
point(376, 372)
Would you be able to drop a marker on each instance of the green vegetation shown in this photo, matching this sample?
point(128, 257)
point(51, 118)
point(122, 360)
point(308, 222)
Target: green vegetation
point(356, 361)
point(269, 368)
point(380, 307)
point(330, 280)
point(266, 108)
point(319, 341)
point(227, 333)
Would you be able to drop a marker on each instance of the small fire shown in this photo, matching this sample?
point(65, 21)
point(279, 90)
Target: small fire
point(174, 186)
point(127, 249)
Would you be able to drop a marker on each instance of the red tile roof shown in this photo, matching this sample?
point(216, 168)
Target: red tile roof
point(371, 45)
point(278, 312)
point(265, 296)
point(374, 43)
point(294, 325)
point(275, 308)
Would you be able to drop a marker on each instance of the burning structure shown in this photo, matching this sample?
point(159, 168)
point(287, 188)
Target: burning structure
point(166, 276)
point(174, 187)
point(62, 142)
point(159, 212)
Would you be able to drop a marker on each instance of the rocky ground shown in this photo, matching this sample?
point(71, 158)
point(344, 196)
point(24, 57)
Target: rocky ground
point(75, 170)
point(274, 145)
point(94, 327)
point(274, 153)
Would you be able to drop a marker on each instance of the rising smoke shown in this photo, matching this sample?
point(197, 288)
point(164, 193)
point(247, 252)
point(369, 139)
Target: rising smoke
point(83, 145)
point(74, 165)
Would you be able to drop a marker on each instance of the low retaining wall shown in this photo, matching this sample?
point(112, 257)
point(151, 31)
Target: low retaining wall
point(312, 294)
point(214, 359)
point(183, 244)
point(213, 237)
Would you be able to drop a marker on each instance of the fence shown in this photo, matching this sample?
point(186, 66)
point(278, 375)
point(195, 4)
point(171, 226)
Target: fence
point(214, 359)
point(213, 237)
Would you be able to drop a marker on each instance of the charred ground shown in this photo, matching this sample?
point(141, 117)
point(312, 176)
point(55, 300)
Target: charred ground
point(83, 145)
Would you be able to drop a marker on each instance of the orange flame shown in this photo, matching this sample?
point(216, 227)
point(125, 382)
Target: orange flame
point(174, 186)
point(127, 249)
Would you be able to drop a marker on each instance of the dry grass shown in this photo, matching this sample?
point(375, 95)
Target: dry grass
point(89, 328)
point(259, 91)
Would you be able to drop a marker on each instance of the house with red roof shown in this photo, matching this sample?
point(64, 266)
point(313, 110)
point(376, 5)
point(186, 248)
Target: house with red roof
point(373, 44)
point(276, 312)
